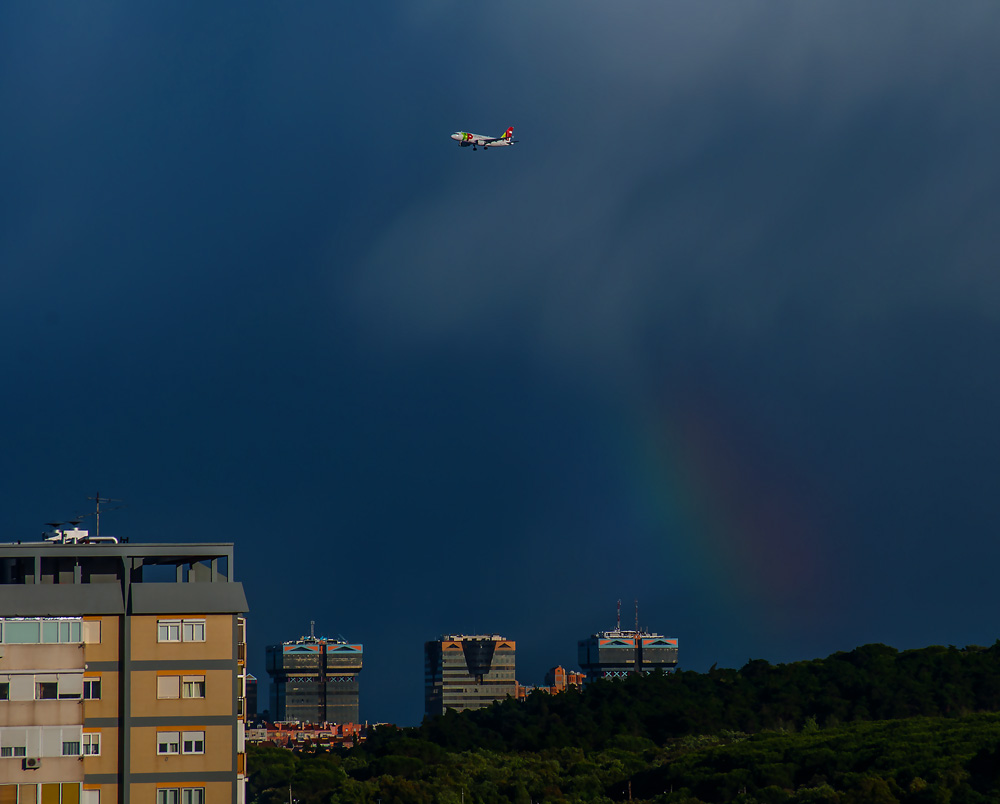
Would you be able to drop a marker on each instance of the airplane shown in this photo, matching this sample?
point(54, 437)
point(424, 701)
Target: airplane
point(465, 139)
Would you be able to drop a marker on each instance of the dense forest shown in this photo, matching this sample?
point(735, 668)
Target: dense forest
point(869, 725)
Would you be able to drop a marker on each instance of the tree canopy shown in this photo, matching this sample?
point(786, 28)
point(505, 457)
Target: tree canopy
point(873, 724)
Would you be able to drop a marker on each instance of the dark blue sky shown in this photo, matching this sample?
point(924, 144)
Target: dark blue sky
point(718, 334)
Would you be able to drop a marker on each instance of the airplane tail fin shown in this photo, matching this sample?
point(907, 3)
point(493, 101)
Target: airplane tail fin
point(509, 133)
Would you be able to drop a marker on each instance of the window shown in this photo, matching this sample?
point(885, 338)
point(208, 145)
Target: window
point(168, 631)
point(91, 689)
point(61, 631)
point(194, 742)
point(168, 742)
point(194, 686)
point(5, 691)
point(193, 795)
point(46, 690)
point(92, 631)
point(20, 631)
point(13, 751)
point(70, 686)
point(168, 686)
point(70, 748)
point(169, 795)
point(194, 630)
point(180, 630)
point(92, 744)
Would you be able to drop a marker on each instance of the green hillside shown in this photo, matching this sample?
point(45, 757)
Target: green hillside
point(871, 725)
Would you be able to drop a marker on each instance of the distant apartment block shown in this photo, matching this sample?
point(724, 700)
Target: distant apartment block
point(315, 680)
point(618, 654)
point(297, 736)
point(122, 671)
point(467, 672)
point(557, 680)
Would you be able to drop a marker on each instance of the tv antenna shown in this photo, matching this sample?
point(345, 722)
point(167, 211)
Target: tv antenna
point(98, 502)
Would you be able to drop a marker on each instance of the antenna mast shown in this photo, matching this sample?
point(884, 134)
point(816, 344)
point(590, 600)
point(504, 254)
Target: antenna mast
point(637, 616)
point(98, 499)
point(618, 621)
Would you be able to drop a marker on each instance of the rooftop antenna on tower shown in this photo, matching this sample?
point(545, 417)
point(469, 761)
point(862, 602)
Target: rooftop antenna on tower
point(98, 501)
point(637, 616)
point(618, 621)
point(312, 629)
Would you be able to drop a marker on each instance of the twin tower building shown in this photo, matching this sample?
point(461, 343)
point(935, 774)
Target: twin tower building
point(315, 679)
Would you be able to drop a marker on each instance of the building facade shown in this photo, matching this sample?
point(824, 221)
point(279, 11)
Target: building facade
point(617, 654)
point(557, 679)
point(467, 672)
point(122, 671)
point(315, 680)
point(298, 736)
point(251, 697)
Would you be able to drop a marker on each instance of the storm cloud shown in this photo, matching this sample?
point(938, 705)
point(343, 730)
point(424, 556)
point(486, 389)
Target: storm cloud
point(717, 333)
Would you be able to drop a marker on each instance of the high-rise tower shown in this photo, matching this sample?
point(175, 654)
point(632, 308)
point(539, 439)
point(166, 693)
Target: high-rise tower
point(315, 680)
point(618, 653)
point(467, 672)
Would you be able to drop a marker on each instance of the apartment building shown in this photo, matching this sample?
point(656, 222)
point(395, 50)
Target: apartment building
point(122, 673)
point(467, 672)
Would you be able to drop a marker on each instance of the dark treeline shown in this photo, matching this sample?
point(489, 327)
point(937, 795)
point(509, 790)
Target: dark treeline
point(869, 725)
point(873, 682)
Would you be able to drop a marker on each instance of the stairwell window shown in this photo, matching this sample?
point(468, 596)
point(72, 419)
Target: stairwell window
point(91, 689)
point(92, 744)
point(168, 795)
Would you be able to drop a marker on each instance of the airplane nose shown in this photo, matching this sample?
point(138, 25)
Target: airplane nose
point(457, 135)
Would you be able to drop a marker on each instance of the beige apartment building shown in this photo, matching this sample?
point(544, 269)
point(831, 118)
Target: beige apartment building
point(122, 673)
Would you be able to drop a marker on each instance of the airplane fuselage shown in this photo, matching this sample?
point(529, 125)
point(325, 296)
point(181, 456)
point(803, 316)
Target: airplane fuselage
point(467, 138)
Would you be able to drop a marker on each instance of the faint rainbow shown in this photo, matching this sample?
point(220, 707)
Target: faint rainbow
point(727, 501)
